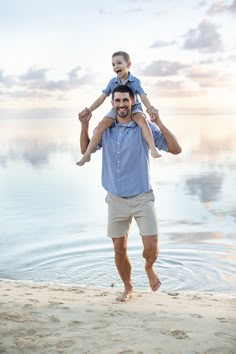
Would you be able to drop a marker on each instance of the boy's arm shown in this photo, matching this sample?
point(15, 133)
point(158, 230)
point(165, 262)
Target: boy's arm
point(97, 102)
point(145, 101)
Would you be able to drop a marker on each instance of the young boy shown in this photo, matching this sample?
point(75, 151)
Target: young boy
point(121, 64)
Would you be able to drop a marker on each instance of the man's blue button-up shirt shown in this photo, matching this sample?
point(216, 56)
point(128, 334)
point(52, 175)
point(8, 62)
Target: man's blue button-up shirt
point(125, 159)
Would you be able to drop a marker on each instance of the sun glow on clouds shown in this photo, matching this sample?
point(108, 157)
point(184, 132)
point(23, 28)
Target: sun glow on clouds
point(58, 54)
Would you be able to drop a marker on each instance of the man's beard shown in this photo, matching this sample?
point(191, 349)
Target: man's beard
point(124, 113)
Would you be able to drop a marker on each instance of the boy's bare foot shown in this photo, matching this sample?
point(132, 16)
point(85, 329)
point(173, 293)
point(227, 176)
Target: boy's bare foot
point(154, 281)
point(126, 296)
point(155, 153)
point(85, 158)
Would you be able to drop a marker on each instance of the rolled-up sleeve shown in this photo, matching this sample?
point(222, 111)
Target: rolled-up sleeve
point(159, 138)
point(138, 88)
point(108, 89)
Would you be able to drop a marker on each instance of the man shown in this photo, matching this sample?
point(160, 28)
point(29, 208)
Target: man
point(126, 178)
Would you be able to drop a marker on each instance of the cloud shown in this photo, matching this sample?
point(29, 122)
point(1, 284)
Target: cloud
point(35, 83)
point(6, 80)
point(162, 68)
point(232, 8)
point(159, 44)
point(206, 75)
point(219, 7)
point(175, 89)
point(34, 74)
point(204, 38)
point(134, 10)
point(36, 79)
point(202, 3)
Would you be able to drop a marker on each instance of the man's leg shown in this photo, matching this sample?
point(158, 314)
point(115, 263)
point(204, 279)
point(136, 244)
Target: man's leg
point(150, 253)
point(123, 266)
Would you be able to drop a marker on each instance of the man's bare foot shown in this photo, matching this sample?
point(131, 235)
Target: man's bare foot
point(85, 158)
point(155, 153)
point(154, 281)
point(126, 296)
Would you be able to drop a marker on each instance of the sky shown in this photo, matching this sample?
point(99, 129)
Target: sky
point(56, 54)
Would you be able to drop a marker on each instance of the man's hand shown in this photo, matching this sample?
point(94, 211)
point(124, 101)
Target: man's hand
point(85, 116)
point(154, 115)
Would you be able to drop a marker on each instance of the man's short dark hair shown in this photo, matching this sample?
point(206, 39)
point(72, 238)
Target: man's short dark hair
point(123, 88)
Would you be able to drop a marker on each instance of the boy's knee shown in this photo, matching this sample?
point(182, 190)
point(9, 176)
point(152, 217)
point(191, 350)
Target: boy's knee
point(139, 118)
point(104, 124)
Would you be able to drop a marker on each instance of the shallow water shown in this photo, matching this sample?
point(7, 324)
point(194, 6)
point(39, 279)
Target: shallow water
point(53, 214)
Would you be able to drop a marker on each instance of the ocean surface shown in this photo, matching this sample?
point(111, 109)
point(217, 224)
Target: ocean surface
point(53, 213)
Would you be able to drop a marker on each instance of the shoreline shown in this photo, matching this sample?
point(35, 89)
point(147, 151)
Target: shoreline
point(45, 318)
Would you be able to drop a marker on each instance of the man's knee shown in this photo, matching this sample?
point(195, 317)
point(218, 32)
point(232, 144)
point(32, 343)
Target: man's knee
point(120, 248)
point(120, 251)
point(151, 252)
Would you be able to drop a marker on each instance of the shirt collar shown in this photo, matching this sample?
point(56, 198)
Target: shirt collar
point(130, 78)
point(130, 124)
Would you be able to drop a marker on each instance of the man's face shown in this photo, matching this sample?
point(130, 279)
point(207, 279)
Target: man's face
point(122, 104)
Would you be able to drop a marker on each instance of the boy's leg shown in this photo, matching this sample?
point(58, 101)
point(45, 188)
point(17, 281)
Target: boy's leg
point(96, 138)
point(147, 134)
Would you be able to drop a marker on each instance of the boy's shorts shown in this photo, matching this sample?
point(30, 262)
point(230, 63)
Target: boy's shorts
point(121, 211)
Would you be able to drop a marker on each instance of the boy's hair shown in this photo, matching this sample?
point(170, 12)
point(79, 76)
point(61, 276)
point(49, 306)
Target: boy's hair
point(123, 54)
point(123, 88)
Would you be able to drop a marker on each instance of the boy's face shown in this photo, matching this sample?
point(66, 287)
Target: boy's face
point(120, 66)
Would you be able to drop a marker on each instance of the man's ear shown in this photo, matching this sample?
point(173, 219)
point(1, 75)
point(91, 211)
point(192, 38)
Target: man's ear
point(129, 64)
point(112, 102)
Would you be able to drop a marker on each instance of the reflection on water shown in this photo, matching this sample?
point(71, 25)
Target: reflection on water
point(53, 215)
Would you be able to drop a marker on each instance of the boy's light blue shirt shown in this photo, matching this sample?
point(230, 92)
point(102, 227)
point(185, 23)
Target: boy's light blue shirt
point(132, 82)
point(125, 159)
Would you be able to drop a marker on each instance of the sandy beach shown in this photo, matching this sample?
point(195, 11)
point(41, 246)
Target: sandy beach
point(40, 318)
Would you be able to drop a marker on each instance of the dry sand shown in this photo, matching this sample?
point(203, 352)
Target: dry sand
point(37, 318)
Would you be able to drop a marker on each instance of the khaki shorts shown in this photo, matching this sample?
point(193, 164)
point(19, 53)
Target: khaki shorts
point(121, 211)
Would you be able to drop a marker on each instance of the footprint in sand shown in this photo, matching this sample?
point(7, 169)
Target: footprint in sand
point(195, 297)
point(54, 319)
point(222, 319)
point(195, 315)
point(220, 350)
point(223, 335)
point(33, 300)
point(65, 344)
point(172, 294)
point(52, 302)
point(178, 334)
point(76, 322)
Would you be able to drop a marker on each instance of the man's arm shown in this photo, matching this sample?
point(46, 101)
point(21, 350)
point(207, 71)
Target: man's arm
point(172, 143)
point(84, 134)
